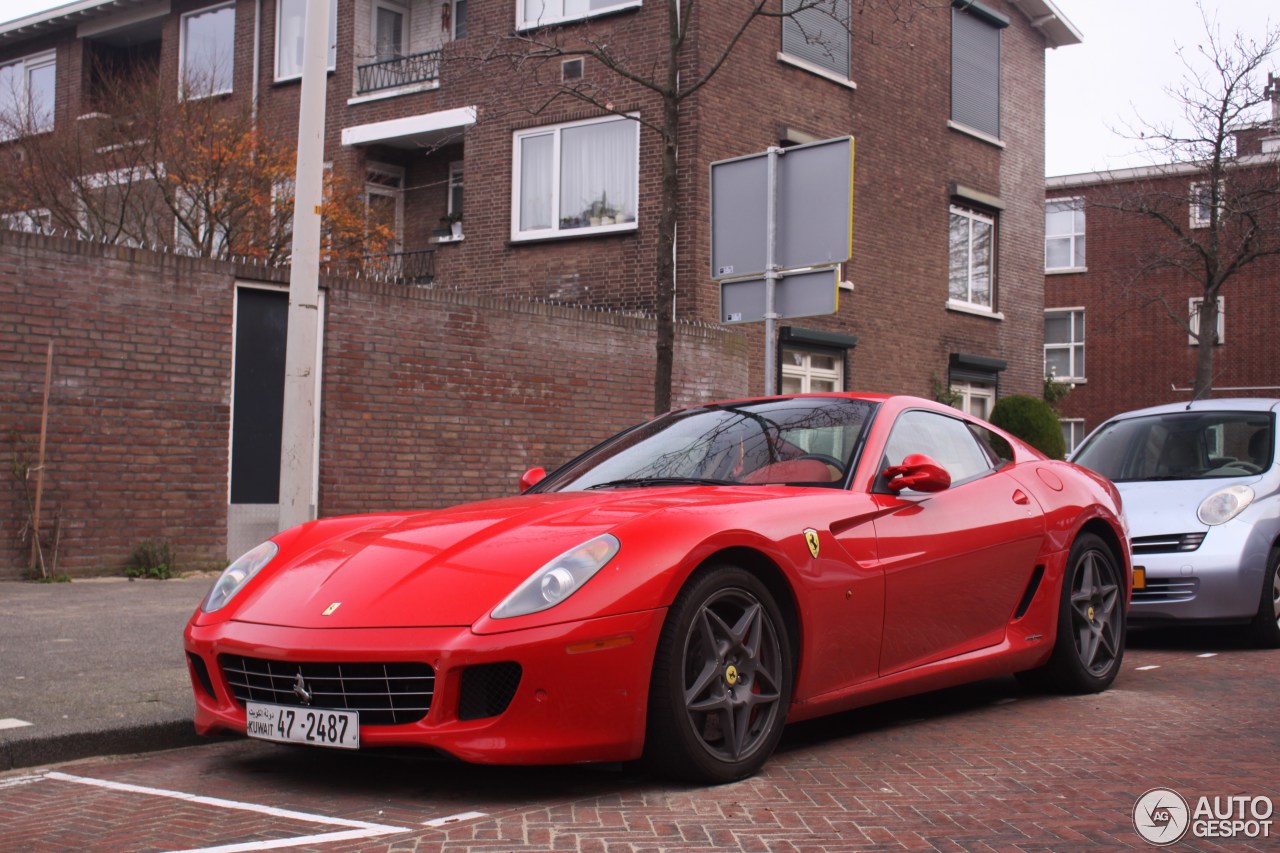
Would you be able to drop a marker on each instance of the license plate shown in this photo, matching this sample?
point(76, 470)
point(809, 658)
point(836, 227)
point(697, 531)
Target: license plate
point(314, 726)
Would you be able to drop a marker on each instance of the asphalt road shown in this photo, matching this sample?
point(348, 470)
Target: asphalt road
point(983, 767)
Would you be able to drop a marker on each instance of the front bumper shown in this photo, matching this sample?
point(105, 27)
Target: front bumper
point(1220, 581)
point(582, 694)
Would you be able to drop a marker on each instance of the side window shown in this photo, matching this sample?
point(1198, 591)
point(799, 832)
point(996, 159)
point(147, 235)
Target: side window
point(948, 441)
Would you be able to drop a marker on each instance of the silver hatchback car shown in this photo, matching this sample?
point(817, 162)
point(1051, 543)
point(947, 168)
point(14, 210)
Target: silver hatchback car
point(1201, 489)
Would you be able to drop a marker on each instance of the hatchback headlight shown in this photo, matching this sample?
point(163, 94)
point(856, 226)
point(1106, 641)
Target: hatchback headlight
point(1224, 504)
point(558, 579)
point(236, 575)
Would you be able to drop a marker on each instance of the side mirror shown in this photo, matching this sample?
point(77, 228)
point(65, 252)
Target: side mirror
point(531, 478)
point(917, 472)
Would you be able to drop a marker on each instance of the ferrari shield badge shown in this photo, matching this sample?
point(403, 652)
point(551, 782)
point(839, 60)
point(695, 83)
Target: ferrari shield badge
point(328, 611)
point(811, 539)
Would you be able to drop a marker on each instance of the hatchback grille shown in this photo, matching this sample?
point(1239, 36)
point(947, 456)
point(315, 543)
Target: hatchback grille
point(1169, 543)
point(385, 694)
point(1163, 590)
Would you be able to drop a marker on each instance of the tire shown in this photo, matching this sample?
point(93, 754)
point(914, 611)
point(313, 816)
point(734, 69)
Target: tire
point(722, 679)
point(1091, 623)
point(1265, 628)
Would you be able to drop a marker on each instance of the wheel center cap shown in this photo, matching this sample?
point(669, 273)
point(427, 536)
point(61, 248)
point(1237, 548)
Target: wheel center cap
point(1091, 611)
point(731, 674)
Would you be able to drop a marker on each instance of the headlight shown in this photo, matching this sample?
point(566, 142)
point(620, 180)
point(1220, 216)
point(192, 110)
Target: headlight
point(236, 575)
point(1224, 504)
point(558, 579)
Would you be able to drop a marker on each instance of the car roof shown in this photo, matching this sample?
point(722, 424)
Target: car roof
point(1217, 404)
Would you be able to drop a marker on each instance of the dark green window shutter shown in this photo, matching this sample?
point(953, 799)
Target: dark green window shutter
point(818, 34)
point(975, 72)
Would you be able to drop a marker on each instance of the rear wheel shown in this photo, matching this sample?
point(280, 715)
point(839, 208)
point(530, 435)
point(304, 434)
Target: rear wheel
point(1265, 630)
point(721, 680)
point(1091, 623)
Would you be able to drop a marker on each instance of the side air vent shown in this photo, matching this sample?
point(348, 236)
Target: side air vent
point(1030, 593)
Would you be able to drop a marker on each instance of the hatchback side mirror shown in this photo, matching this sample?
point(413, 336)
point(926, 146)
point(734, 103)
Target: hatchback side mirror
point(917, 472)
point(531, 478)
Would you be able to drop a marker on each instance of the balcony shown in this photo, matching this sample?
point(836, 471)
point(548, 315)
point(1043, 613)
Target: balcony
point(398, 71)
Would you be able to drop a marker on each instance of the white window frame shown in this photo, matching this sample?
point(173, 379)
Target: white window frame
point(560, 17)
point(27, 65)
point(1074, 263)
point(969, 392)
point(1072, 432)
point(184, 243)
point(967, 304)
point(457, 176)
point(556, 130)
point(807, 373)
point(182, 52)
point(1074, 347)
point(333, 40)
point(1199, 213)
point(1193, 319)
point(392, 188)
point(401, 10)
point(843, 77)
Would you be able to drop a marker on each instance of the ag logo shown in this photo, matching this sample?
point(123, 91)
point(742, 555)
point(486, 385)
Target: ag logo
point(811, 539)
point(1161, 816)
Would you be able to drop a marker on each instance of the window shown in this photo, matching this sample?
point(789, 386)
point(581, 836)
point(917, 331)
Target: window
point(459, 18)
point(972, 265)
point(947, 440)
point(27, 91)
point(1064, 344)
point(975, 66)
point(811, 371)
point(579, 178)
point(384, 200)
point(538, 13)
point(208, 51)
point(455, 189)
point(197, 229)
point(1072, 432)
point(1193, 316)
point(1064, 234)
point(1201, 195)
point(290, 30)
point(818, 35)
point(389, 31)
point(31, 221)
point(976, 398)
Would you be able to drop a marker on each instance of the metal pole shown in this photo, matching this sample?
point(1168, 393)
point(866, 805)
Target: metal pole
point(771, 271)
point(297, 452)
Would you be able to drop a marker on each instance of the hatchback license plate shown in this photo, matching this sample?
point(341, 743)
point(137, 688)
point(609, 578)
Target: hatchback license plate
point(314, 726)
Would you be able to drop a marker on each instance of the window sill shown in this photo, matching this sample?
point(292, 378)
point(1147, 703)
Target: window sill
point(1066, 270)
point(975, 310)
point(525, 26)
point(976, 134)
point(450, 239)
point(1070, 380)
point(628, 229)
point(825, 73)
point(393, 93)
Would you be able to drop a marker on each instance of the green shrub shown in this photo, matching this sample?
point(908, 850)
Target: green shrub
point(151, 558)
point(1031, 420)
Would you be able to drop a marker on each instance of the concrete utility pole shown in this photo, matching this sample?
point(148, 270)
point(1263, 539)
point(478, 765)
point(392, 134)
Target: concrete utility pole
point(298, 446)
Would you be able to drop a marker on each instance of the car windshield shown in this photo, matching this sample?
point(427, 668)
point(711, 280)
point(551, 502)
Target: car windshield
point(801, 440)
point(1181, 446)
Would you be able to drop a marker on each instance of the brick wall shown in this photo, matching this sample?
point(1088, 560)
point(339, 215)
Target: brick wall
point(429, 396)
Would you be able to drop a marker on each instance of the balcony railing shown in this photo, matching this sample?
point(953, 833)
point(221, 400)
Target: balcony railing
point(415, 267)
point(398, 71)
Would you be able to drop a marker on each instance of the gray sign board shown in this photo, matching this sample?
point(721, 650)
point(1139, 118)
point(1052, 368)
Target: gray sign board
point(807, 293)
point(814, 209)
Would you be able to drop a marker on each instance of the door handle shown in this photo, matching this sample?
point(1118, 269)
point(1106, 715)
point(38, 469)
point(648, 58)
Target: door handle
point(1020, 497)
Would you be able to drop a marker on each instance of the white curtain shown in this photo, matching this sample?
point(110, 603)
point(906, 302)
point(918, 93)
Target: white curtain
point(598, 167)
point(535, 181)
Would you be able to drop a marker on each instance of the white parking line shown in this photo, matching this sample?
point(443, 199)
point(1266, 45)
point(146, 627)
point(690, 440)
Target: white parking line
point(453, 818)
point(1208, 655)
point(19, 780)
point(13, 723)
point(357, 828)
point(1145, 668)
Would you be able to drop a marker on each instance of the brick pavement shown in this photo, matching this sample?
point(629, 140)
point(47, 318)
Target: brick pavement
point(986, 767)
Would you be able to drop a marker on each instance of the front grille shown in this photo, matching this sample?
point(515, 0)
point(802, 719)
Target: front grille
point(1165, 590)
point(1169, 543)
point(487, 690)
point(385, 694)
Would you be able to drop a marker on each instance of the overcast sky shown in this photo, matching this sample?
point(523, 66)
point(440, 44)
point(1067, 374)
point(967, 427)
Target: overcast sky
point(1129, 56)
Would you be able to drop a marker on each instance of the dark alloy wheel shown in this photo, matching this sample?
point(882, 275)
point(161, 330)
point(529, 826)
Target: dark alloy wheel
point(1091, 623)
point(721, 682)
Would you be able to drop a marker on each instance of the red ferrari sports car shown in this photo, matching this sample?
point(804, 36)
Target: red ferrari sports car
point(678, 593)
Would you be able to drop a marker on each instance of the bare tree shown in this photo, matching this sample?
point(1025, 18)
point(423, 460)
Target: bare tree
point(1216, 205)
point(680, 67)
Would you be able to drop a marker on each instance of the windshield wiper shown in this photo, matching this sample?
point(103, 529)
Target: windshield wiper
point(641, 482)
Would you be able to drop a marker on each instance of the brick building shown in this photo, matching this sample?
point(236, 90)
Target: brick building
point(944, 292)
point(1108, 324)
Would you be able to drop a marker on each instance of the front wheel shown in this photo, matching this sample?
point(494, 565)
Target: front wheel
point(721, 680)
point(1091, 623)
point(1265, 630)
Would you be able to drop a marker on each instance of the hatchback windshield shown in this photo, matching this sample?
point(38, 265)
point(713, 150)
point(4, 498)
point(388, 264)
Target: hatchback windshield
point(802, 440)
point(1181, 446)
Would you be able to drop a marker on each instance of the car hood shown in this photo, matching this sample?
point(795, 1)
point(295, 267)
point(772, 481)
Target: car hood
point(447, 567)
point(1160, 507)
